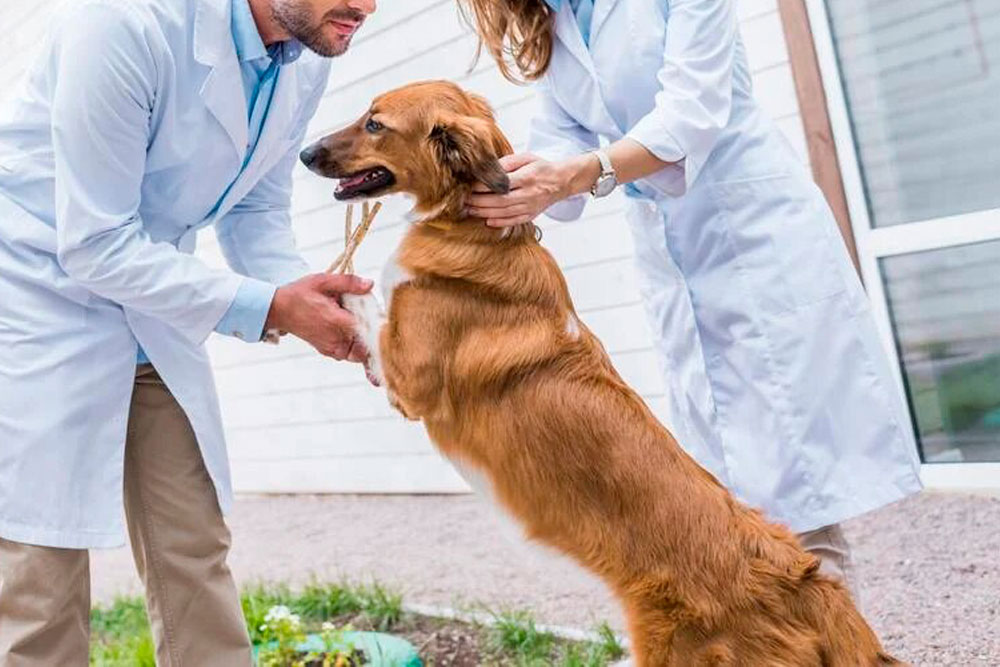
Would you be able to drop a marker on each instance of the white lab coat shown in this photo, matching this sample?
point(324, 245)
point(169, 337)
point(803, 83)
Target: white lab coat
point(117, 147)
point(777, 379)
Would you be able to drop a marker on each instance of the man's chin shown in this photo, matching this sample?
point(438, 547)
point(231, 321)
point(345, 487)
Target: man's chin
point(328, 47)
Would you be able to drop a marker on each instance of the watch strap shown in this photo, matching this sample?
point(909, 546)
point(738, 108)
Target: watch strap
point(606, 167)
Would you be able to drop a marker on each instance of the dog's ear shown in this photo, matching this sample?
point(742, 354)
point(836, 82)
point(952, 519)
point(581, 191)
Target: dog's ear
point(463, 146)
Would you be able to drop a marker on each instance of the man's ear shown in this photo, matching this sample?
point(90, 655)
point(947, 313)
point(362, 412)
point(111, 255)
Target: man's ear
point(463, 146)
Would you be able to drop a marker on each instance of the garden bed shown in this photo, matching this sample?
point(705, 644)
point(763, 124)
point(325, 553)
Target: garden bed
point(332, 615)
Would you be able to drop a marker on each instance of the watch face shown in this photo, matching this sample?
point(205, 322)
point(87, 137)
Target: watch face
point(605, 185)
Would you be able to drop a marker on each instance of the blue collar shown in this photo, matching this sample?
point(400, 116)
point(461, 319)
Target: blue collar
point(554, 5)
point(249, 45)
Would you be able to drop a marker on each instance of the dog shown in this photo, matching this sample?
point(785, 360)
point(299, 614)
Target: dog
point(481, 343)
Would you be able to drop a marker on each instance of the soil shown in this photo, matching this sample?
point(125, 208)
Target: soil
point(443, 643)
point(446, 642)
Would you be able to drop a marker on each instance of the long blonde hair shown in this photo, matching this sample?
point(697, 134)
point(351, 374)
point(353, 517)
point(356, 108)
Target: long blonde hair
point(520, 30)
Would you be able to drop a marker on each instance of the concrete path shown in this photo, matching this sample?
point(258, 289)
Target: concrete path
point(928, 568)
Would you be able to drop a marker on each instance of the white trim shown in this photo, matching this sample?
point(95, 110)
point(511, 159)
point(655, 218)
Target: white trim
point(961, 476)
point(939, 233)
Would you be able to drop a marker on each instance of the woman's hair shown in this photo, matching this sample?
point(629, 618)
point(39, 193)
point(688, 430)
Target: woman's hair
point(517, 29)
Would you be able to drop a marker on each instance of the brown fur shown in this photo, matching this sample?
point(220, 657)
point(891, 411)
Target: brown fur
point(477, 347)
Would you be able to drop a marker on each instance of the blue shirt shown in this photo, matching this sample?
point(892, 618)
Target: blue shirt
point(260, 67)
point(584, 12)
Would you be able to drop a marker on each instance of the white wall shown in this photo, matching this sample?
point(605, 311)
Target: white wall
point(297, 422)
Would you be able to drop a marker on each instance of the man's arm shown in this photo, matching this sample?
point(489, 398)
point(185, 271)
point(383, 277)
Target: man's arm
point(101, 111)
point(106, 81)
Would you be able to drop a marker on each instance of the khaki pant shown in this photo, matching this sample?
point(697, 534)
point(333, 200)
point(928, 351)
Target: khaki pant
point(179, 541)
point(830, 546)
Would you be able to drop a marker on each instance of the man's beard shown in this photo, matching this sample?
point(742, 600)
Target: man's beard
point(294, 16)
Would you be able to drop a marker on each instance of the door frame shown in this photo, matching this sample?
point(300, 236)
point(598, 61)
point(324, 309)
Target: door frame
point(873, 244)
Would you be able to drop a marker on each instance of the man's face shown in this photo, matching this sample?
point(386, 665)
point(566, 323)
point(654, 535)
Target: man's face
point(323, 26)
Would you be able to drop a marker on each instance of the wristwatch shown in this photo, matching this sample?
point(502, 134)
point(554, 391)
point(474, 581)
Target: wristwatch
point(607, 181)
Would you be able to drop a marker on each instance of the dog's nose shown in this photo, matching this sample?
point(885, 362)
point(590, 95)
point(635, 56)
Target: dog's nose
point(310, 153)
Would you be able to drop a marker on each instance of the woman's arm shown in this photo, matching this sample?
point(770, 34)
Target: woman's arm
point(537, 184)
point(691, 109)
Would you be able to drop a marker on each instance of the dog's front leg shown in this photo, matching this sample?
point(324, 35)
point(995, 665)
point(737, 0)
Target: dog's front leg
point(370, 317)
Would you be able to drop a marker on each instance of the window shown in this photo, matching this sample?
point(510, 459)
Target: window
point(921, 110)
point(922, 80)
point(945, 308)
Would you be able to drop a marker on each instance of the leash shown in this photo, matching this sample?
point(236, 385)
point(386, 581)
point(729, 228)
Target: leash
point(353, 236)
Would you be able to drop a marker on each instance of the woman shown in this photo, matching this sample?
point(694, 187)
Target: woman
point(776, 376)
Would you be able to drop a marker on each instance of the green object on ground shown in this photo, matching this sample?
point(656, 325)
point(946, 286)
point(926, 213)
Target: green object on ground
point(380, 649)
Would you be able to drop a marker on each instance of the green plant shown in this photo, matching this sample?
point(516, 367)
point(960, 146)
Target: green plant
point(281, 633)
point(598, 653)
point(516, 633)
point(125, 617)
point(608, 642)
point(126, 652)
point(382, 607)
point(257, 601)
point(121, 635)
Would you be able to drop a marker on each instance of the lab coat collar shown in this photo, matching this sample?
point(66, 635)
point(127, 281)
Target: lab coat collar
point(568, 32)
point(602, 9)
point(222, 91)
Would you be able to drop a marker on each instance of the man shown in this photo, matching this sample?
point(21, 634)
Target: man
point(142, 122)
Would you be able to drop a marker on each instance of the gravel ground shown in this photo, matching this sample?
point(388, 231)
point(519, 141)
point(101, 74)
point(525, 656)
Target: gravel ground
point(928, 568)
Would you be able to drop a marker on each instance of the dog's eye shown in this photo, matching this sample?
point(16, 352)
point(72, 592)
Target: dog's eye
point(373, 125)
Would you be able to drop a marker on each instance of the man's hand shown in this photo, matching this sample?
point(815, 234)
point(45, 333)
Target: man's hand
point(310, 308)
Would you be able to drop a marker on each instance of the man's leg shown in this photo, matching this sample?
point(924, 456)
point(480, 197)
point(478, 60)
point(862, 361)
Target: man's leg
point(44, 606)
point(830, 546)
point(179, 538)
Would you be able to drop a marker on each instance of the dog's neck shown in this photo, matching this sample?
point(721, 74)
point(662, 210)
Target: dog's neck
point(448, 216)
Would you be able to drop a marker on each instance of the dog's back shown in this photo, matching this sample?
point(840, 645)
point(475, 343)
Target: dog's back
point(529, 398)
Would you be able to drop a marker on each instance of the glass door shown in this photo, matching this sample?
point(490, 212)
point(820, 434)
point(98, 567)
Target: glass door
point(913, 88)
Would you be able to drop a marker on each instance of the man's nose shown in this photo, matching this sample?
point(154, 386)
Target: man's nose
point(309, 154)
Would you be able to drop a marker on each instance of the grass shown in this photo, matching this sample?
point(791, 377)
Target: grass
point(515, 633)
point(377, 607)
point(120, 633)
point(515, 639)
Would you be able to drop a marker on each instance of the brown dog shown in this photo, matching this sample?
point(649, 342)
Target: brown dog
point(483, 345)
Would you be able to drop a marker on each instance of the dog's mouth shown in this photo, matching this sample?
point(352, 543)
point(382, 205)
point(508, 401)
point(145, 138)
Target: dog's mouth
point(364, 182)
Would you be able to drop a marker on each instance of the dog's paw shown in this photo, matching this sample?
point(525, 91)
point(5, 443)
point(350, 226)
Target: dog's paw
point(370, 317)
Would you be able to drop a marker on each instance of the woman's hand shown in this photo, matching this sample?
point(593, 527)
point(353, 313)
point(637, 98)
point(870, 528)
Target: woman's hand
point(535, 185)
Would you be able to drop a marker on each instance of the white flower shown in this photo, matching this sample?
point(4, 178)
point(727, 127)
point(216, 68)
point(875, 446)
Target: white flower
point(328, 626)
point(263, 627)
point(278, 613)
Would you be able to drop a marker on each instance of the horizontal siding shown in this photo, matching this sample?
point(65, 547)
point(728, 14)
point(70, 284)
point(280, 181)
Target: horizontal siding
point(297, 422)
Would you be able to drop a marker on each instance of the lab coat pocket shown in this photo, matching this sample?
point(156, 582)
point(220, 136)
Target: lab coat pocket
point(777, 227)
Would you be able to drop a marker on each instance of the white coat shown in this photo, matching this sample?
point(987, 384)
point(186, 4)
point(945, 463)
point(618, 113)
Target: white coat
point(122, 139)
point(778, 382)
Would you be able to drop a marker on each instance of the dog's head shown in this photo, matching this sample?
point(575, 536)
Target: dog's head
point(431, 140)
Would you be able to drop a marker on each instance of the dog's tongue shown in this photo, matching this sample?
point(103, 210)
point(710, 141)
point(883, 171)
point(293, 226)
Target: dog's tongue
point(351, 181)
